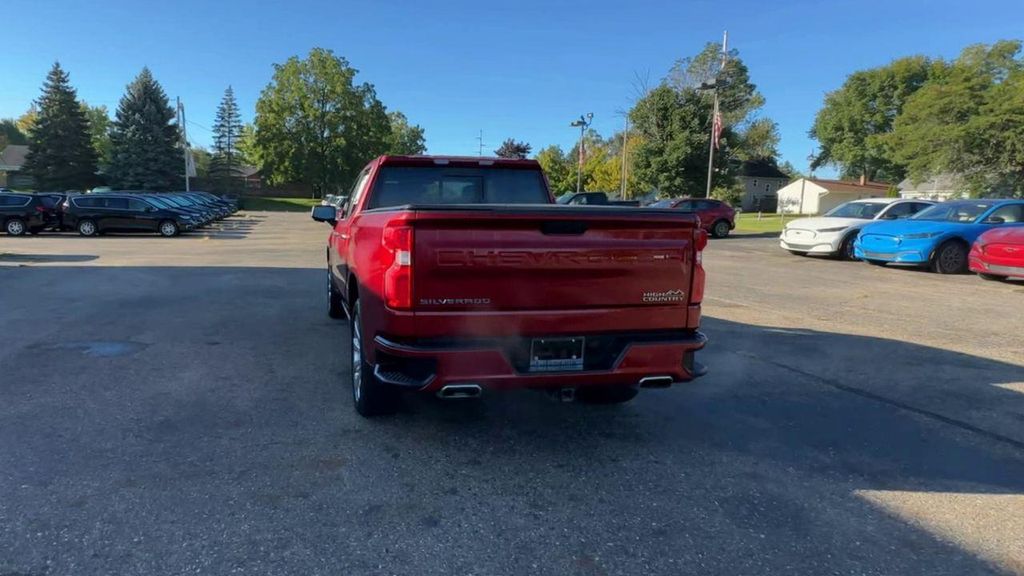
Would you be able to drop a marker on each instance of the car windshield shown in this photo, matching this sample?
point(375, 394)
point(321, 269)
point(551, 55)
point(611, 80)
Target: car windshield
point(863, 210)
point(662, 204)
point(399, 185)
point(960, 212)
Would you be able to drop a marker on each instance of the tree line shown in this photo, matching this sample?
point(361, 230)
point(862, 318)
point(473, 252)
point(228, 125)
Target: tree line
point(314, 125)
point(922, 117)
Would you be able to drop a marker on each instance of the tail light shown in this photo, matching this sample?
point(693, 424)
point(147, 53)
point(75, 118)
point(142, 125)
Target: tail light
point(41, 209)
point(397, 239)
point(700, 242)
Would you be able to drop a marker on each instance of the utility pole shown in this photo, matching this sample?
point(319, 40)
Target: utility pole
point(582, 123)
point(625, 139)
point(480, 144)
point(716, 126)
point(184, 143)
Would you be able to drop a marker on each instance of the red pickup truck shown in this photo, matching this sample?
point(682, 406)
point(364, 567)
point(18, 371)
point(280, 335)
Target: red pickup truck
point(461, 275)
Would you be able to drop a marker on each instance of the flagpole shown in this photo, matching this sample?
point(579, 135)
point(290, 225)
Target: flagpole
point(714, 117)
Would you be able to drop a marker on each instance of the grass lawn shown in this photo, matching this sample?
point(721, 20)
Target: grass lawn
point(749, 224)
point(278, 204)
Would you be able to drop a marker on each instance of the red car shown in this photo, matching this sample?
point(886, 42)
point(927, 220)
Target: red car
point(461, 275)
point(716, 217)
point(999, 253)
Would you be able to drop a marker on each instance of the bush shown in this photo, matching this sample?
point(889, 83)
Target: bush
point(732, 195)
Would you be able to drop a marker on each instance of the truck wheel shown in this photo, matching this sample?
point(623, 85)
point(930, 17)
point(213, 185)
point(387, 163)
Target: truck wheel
point(950, 258)
point(605, 394)
point(334, 308)
point(370, 396)
point(720, 229)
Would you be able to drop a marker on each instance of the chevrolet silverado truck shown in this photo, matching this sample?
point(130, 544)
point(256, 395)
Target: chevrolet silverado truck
point(461, 275)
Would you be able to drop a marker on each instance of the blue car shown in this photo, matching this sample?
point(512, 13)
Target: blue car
point(938, 237)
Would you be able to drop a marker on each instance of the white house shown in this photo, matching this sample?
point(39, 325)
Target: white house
point(761, 181)
point(942, 187)
point(817, 196)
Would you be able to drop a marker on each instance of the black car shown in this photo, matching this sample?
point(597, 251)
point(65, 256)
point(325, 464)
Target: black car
point(21, 213)
point(97, 213)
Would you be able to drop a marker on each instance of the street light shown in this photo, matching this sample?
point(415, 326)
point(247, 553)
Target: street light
point(583, 123)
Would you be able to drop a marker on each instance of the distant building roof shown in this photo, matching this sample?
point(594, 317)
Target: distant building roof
point(12, 157)
point(845, 186)
point(763, 168)
point(247, 171)
point(938, 183)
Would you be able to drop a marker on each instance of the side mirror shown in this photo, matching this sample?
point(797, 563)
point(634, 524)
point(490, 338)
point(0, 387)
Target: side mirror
point(995, 220)
point(327, 214)
point(150, 209)
point(890, 216)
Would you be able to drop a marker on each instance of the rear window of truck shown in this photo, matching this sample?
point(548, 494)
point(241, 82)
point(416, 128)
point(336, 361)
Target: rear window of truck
point(399, 185)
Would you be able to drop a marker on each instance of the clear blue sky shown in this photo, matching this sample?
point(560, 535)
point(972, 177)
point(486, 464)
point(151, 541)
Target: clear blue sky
point(520, 69)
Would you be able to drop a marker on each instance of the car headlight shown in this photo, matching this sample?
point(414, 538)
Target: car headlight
point(838, 229)
point(920, 235)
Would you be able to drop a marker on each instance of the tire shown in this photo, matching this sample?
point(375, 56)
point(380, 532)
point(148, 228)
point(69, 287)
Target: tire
point(606, 394)
point(950, 258)
point(15, 227)
point(992, 277)
point(720, 229)
point(846, 249)
point(370, 396)
point(87, 228)
point(877, 262)
point(168, 228)
point(334, 308)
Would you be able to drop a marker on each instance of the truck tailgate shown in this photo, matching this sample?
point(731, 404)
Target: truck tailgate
point(523, 261)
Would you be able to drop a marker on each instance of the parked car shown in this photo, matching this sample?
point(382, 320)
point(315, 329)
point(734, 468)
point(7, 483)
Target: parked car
point(593, 199)
point(938, 237)
point(54, 215)
point(111, 212)
point(22, 213)
point(716, 217)
point(833, 233)
point(999, 253)
point(460, 276)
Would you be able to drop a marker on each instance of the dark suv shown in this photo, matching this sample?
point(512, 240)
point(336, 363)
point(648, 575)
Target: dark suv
point(21, 213)
point(95, 214)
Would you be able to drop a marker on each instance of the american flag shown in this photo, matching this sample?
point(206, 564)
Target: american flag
point(716, 130)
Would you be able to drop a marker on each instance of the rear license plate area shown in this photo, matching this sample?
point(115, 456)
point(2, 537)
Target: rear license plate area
point(556, 354)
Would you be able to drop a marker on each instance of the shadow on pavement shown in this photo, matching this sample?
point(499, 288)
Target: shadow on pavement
point(215, 428)
point(46, 258)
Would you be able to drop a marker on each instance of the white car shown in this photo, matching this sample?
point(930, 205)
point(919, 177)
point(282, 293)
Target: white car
point(833, 234)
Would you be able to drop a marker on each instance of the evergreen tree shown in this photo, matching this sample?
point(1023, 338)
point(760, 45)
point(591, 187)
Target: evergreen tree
point(227, 132)
point(60, 154)
point(144, 143)
point(510, 148)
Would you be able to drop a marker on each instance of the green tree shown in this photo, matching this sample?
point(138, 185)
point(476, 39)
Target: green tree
point(227, 130)
point(60, 154)
point(248, 150)
point(203, 159)
point(758, 140)
point(405, 139)
point(100, 126)
point(968, 120)
point(145, 145)
point(560, 170)
point(512, 148)
point(789, 170)
point(673, 122)
point(315, 125)
point(10, 133)
point(27, 121)
point(853, 124)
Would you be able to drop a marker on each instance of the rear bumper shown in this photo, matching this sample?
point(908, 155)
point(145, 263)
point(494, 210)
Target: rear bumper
point(496, 364)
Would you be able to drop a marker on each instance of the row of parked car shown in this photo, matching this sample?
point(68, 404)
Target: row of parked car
point(985, 236)
point(165, 213)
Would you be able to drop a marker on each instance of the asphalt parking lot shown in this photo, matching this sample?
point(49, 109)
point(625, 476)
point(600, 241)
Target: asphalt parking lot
point(176, 406)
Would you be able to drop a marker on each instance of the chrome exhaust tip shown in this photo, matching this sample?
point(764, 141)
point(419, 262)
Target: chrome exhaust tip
point(656, 382)
point(454, 391)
